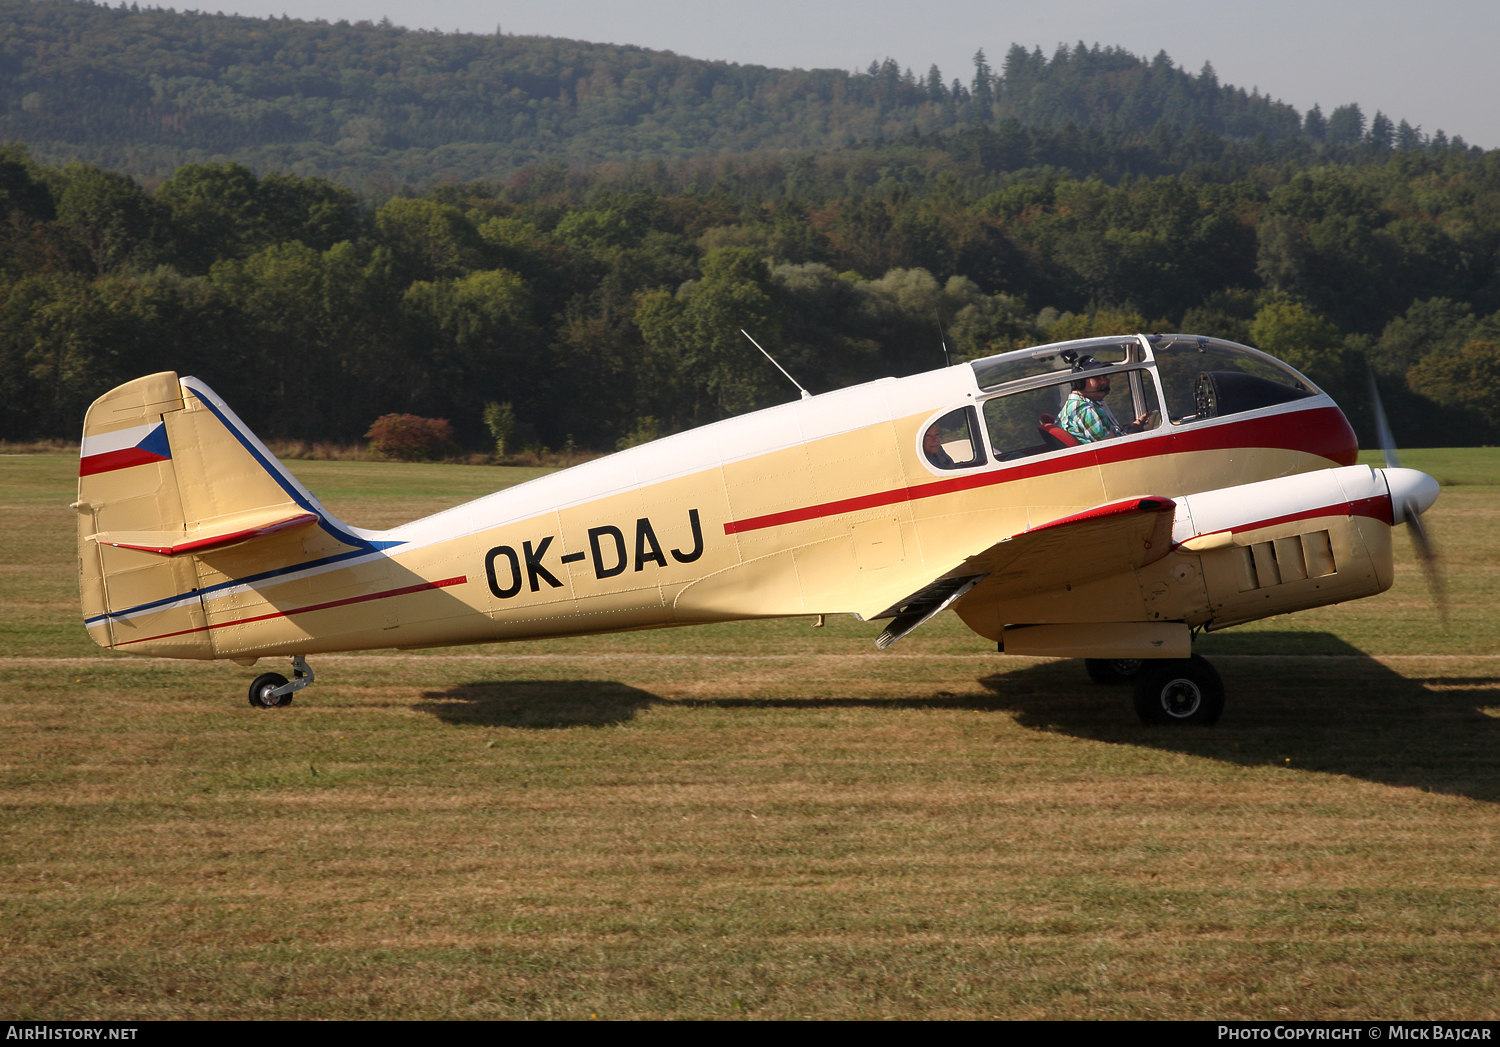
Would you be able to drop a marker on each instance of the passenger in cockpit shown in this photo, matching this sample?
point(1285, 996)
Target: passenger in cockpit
point(1085, 414)
point(932, 446)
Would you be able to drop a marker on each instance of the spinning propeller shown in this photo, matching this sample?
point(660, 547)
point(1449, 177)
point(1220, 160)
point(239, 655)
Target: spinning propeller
point(1412, 493)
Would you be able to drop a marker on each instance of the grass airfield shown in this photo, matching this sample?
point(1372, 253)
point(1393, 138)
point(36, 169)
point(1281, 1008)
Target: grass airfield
point(760, 820)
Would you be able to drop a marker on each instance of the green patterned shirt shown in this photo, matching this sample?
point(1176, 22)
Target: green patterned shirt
point(1088, 420)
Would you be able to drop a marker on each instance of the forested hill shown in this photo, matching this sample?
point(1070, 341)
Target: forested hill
point(572, 235)
point(147, 90)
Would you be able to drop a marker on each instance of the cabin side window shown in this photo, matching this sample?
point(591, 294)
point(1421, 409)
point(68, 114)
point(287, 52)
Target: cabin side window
point(951, 442)
point(1036, 421)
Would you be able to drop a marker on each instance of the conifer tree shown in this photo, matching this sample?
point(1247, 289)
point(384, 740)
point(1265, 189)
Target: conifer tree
point(936, 92)
point(1408, 137)
point(1346, 125)
point(983, 89)
point(1314, 125)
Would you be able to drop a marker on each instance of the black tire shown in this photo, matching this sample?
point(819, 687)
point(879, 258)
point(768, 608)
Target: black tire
point(260, 695)
point(1179, 691)
point(1113, 672)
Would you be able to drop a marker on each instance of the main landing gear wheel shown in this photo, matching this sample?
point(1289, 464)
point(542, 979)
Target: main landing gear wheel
point(1178, 691)
point(260, 692)
point(1113, 672)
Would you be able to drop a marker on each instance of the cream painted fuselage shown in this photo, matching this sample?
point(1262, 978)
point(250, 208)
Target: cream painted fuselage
point(821, 506)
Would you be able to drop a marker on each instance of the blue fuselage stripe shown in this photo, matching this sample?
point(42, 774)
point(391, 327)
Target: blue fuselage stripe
point(365, 546)
point(249, 579)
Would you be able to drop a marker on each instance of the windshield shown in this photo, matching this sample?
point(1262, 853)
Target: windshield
point(1208, 378)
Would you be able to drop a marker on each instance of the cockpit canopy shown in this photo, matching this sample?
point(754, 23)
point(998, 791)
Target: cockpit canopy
point(1200, 377)
point(1031, 403)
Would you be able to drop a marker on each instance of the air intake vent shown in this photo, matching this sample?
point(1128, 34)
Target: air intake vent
point(1265, 564)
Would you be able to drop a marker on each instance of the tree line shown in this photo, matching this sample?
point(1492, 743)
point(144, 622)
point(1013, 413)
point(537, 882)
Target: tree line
point(604, 304)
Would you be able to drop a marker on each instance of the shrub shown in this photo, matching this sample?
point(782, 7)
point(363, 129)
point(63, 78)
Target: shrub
point(501, 422)
point(411, 438)
point(646, 429)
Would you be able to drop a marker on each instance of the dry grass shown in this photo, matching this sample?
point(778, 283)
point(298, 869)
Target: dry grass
point(320, 451)
point(13, 447)
point(760, 821)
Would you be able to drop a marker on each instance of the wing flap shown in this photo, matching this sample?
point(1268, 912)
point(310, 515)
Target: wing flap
point(922, 605)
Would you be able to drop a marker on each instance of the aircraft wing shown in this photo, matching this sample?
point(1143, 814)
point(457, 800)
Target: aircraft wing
point(1096, 543)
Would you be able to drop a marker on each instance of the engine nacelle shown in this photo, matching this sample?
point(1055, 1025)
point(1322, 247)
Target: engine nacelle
point(1292, 543)
point(1239, 554)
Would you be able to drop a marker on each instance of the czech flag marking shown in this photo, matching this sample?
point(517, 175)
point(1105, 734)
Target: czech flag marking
point(123, 448)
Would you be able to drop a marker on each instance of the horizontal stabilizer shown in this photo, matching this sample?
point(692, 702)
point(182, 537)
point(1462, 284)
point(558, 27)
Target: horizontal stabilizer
point(218, 533)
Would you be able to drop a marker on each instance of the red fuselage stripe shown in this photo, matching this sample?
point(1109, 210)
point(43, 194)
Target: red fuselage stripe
point(1323, 431)
point(421, 587)
point(1377, 508)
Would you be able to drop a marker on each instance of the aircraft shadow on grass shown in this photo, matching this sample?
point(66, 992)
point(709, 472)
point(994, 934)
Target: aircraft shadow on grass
point(1342, 713)
point(537, 704)
point(1318, 704)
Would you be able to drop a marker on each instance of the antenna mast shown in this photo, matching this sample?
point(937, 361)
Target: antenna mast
point(805, 394)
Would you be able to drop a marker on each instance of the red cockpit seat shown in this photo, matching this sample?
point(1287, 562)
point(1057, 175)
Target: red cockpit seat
point(1054, 435)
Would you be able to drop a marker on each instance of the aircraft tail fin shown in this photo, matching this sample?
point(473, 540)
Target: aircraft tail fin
point(175, 496)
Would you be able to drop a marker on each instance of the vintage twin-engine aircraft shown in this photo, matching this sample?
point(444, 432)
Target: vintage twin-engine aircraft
point(1238, 498)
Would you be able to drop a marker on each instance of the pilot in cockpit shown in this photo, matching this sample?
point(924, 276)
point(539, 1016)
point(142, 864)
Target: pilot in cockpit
point(1085, 414)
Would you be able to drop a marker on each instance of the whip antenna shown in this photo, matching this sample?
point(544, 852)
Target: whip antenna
point(805, 394)
point(942, 338)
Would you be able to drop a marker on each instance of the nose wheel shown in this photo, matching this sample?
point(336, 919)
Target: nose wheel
point(274, 691)
point(1179, 691)
point(1113, 671)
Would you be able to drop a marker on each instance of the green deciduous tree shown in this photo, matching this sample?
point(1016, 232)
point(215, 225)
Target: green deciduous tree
point(1287, 329)
point(1464, 383)
point(111, 218)
point(1428, 326)
point(721, 371)
point(429, 240)
point(475, 341)
point(222, 210)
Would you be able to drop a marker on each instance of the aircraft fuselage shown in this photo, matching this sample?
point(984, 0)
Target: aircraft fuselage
point(821, 506)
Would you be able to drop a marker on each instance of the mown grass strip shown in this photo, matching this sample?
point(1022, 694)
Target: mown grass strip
point(759, 820)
